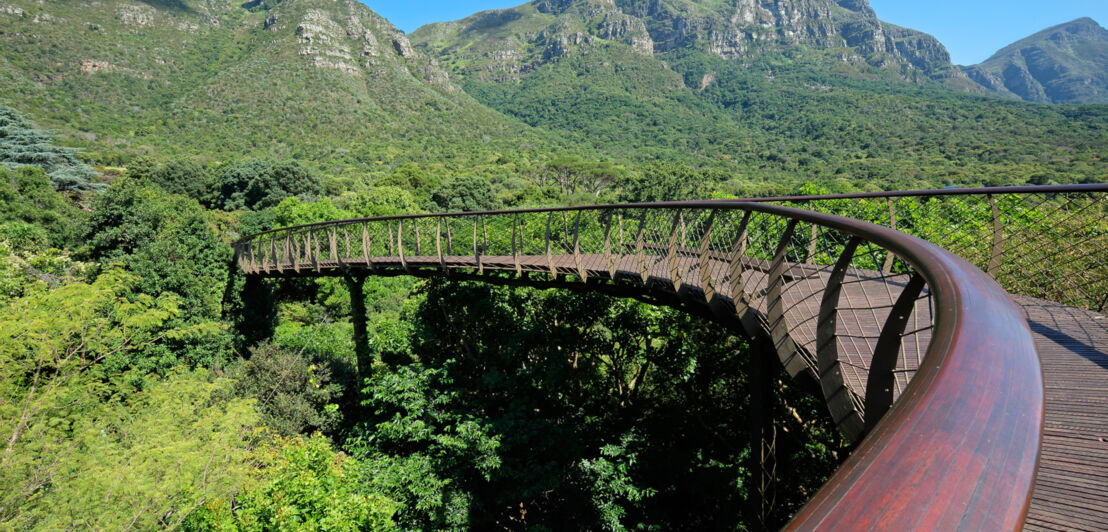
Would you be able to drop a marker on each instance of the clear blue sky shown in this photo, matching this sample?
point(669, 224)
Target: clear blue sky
point(971, 29)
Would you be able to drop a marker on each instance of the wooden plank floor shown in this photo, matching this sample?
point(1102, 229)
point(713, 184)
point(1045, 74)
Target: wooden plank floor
point(1071, 490)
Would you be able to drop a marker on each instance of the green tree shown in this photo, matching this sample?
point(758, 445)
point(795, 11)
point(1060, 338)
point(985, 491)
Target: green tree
point(23, 145)
point(467, 193)
point(186, 177)
point(156, 452)
point(260, 183)
point(294, 393)
point(78, 427)
point(168, 242)
point(422, 452)
point(663, 182)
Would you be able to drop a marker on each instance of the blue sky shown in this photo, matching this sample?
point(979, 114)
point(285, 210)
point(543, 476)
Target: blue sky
point(971, 29)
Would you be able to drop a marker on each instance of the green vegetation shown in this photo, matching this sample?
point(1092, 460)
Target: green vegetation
point(794, 118)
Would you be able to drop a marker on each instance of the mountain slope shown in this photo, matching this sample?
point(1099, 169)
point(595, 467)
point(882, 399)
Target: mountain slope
point(324, 80)
point(1067, 63)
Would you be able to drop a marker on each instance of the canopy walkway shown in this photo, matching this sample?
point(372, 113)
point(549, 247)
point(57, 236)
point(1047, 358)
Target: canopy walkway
point(974, 409)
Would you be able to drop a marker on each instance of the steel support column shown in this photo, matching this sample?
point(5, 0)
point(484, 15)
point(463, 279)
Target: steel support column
point(762, 364)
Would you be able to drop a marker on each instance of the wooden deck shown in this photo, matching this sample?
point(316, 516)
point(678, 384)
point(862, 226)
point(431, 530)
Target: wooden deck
point(1071, 490)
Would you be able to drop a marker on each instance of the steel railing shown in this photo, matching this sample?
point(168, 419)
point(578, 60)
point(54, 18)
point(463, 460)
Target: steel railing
point(1048, 242)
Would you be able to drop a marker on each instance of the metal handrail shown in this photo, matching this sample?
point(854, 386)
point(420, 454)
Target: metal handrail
point(1040, 189)
point(967, 191)
point(959, 449)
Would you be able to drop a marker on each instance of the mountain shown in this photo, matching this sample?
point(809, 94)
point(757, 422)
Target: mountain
point(1067, 63)
point(760, 90)
point(328, 81)
point(505, 44)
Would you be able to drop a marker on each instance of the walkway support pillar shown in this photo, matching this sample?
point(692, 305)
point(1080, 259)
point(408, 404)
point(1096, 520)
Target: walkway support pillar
point(354, 284)
point(763, 434)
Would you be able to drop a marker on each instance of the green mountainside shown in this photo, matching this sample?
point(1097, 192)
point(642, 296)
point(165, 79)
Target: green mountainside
point(797, 91)
point(325, 81)
point(1067, 63)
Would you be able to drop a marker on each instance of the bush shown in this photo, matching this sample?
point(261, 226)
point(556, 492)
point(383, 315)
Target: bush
point(294, 394)
point(299, 484)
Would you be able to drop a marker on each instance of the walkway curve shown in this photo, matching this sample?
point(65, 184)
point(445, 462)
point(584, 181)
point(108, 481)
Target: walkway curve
point(957, 450)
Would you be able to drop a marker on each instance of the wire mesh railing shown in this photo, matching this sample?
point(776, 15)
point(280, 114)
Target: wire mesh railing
point(1048, 242)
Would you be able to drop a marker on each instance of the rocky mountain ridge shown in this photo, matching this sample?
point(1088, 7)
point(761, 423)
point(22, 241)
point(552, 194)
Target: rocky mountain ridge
point(505, 44)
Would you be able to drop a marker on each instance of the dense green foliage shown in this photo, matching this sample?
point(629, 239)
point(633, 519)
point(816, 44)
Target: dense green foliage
point(298, 484)
point(169, 243)
point(28, 205)
point(81, 427)
point(467, 193)
point(605, 413)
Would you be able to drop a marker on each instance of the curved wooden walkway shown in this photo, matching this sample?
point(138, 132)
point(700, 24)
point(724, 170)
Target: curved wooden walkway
point(787, 298)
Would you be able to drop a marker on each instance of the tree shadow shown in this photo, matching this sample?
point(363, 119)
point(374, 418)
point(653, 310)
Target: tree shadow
point(172, 5)
point(492, 19)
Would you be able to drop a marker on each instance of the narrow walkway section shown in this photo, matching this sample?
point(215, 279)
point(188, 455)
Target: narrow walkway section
point(1071, 490)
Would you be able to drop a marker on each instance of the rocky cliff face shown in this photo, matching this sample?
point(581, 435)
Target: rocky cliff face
point(1063, 64)
point(505, 44)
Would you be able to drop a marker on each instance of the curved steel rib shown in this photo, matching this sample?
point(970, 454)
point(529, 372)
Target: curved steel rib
point(958, 449)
